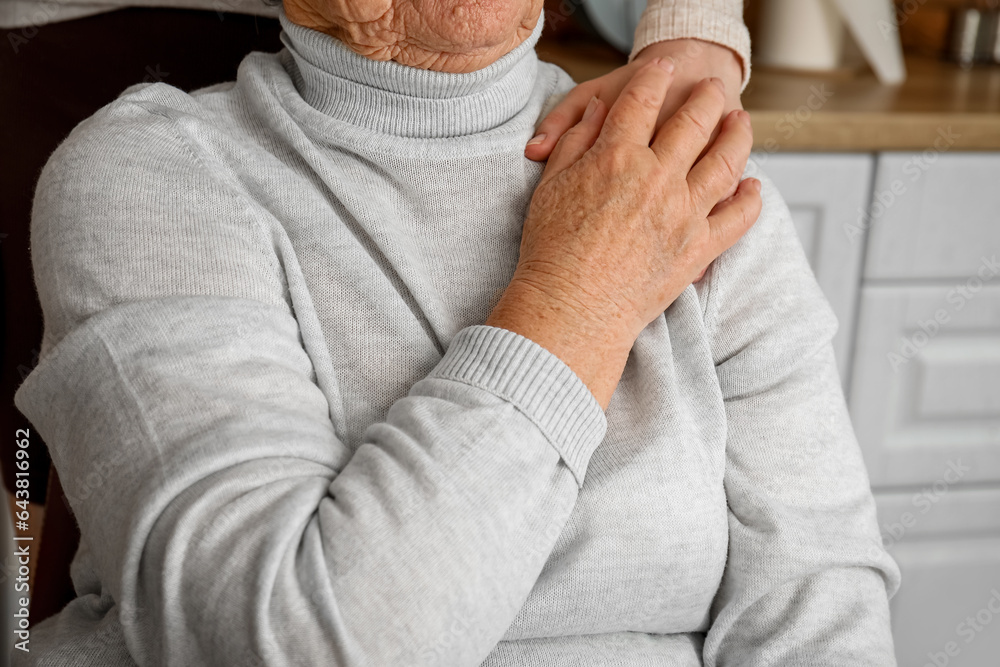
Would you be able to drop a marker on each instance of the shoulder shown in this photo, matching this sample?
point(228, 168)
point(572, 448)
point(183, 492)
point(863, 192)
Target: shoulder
point(126, 209)
point(140, 129)
point(553, 85)
point(764, 305)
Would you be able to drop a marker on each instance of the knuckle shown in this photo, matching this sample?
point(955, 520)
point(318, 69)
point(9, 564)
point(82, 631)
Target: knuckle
point(729, 165)
point(615, 162)
point(692, 118)
point(615, 155)
point(643, 97)
point(694, 247)
point(702, 193)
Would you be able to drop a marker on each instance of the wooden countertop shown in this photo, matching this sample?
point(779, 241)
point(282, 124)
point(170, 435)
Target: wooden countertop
point(844, 111)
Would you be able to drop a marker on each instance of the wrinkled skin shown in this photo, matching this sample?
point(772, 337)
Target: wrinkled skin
point(625, 216)
point(441, 35)
point(695, 61)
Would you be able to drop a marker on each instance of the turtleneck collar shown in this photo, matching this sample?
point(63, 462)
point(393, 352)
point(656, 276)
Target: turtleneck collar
point(390, 98)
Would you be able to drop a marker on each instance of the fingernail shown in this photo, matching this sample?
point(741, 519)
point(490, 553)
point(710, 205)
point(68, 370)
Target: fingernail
point(537, 139)
point(717, 81)
point(755, 184)
point(591, 108)
point(667, 64)
point(745, 116)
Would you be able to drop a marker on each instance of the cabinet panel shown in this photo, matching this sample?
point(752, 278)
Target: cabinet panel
point(946, 540)
point(825, 194)
point(947, 610)
point(925, 390)
point(933, 216)
point(938, 509)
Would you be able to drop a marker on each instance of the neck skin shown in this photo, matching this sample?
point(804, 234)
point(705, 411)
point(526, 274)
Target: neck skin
point(455, 36)
point(390, 99)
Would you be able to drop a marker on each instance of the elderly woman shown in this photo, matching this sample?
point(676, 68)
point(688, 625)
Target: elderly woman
point(334, 375)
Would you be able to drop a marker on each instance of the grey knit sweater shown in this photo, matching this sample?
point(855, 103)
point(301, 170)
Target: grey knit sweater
point(289, 439)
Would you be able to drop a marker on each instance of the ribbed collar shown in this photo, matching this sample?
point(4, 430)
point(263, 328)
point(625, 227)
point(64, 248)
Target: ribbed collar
point(395, 99)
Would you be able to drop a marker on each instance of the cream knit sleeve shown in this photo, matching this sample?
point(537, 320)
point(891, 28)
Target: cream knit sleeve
point(718, 21)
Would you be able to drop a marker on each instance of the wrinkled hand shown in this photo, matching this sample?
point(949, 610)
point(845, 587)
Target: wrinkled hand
point(694, 59)
point(626, 215)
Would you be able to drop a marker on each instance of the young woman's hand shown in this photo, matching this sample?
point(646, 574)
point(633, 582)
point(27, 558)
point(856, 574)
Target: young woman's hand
point(624, 217)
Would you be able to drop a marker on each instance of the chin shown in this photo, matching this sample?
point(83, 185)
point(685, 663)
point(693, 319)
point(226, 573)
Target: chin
point(479, 25)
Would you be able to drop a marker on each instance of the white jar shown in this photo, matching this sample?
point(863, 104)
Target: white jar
point(800, 34)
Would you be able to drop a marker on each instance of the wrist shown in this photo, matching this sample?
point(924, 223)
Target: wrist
point(595, 348)
point(697, 55)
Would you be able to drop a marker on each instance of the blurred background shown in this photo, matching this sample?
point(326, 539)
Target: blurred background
point(878, 120)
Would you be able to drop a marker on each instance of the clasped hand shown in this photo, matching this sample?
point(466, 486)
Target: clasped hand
point(628, 212)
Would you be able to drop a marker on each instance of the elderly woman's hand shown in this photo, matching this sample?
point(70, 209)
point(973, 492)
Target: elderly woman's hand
point(694, 59)
point(624, 217)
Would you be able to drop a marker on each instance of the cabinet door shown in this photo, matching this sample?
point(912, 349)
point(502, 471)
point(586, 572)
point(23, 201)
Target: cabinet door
point(933, 215)
point(827, 194)
point(947, 609)
point(925, 390)
point(946, 540)
point(942, 509)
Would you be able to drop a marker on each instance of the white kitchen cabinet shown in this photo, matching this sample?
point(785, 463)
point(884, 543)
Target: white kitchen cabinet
point(825, 194)
point(946, 540)
point(926, 386)
point(937, 510)
point(950, 594)
point(934, 216)
point(905, 246)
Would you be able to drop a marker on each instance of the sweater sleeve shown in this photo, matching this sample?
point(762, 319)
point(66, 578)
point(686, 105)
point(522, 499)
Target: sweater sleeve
point(716, 21)
point(807, 581)
point(224, 516)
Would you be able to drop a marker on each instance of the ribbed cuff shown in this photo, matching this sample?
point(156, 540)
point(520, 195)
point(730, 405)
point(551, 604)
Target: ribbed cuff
point(699, 20)
point(537, 382)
